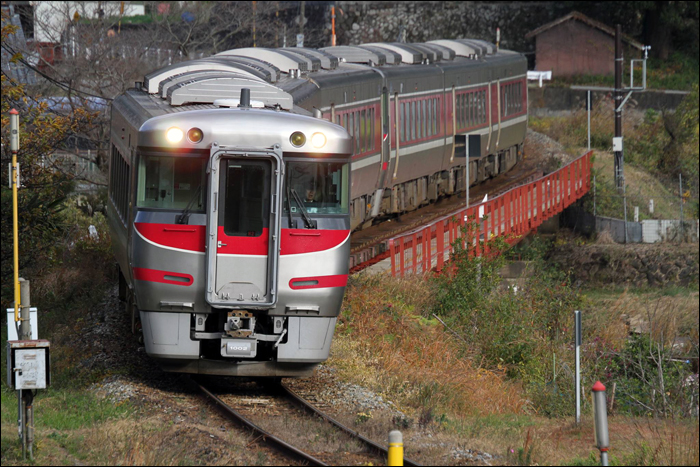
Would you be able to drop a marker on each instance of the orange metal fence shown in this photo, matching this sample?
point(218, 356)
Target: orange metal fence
point(514, 213)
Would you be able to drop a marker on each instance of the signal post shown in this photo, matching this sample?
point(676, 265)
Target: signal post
point(28, 366)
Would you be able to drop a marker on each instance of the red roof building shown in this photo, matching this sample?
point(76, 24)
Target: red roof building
point(578, 45)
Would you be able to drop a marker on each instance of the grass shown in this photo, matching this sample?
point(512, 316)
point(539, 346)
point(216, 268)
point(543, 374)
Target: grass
point(641, 187)
point(384, 342)
point(646, 143)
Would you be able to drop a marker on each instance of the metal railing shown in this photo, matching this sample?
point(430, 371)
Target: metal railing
point(512, 214)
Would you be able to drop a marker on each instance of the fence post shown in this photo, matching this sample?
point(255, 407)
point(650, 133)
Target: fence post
point(577, 319)
point(600, 413)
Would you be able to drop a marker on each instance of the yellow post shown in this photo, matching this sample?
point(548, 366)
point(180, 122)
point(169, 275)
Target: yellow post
point(395, 448)
point(14, 147)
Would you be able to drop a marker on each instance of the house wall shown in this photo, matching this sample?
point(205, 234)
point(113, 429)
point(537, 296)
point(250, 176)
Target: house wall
point(574, 48)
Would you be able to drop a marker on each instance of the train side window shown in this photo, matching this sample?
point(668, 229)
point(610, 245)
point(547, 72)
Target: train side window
point(421, 119)
point(119, 183)
point(470, 107)
point(482, 107)
point(424, 105)
point(429, 118)
point(363, 130)
point(404, 123)
point(356, 125)
point(414, 118)
point(372, 126)
point(171, 182)
point(472, 103)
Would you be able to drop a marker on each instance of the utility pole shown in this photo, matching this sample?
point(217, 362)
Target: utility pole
point(277, 24)
point(333, 26)
point(14, 147)
point(617, 142)
point(254, 12)
point(302, 18)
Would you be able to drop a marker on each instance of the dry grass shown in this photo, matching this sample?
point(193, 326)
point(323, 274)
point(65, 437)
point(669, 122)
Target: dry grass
point(664, 316)
point(397, 349)
point(605, 238)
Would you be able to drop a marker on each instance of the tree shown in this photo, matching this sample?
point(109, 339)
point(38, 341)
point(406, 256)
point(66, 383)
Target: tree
point(44, 189)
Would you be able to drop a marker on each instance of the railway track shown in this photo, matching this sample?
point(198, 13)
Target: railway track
point(371, 245)
point(278, 406)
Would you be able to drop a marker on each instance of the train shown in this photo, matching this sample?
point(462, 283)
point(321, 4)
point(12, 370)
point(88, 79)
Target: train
point(236, 180)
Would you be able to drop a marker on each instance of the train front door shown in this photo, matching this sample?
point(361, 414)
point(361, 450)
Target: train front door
point(243, 228)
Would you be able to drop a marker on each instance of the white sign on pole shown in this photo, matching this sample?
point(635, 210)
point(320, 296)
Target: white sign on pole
point(12, 330)
point(300, 40)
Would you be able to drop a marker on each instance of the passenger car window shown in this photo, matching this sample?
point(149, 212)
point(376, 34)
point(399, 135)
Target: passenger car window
point(171, 182)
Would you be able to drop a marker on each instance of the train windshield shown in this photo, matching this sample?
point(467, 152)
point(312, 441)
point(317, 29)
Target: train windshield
point(171, 182)
point(321, 186)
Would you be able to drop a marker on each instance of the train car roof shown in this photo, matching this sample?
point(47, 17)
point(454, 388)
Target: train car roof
point(285, 78)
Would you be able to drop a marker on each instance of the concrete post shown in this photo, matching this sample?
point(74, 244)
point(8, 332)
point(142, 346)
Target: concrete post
point(25, 327)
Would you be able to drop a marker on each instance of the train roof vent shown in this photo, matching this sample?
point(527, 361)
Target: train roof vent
point(353, 54)
point(489, 47)
point(153, 80)
point(207, 88)
point(255, 63)
point(460, 48)
point(447, 53)
point(168, 83)
point(283, 60)
point(312, 62)
point(408, 54)
point(328, 61)
point(392, 58)
point(433, 55)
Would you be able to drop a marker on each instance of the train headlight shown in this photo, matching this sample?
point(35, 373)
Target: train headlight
point(174, 135)
point(297, 139)
point(195, 135)
point(318, 140)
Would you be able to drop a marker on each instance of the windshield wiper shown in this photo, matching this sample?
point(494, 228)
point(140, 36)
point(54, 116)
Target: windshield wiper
point(185, 216)
point(307, 220)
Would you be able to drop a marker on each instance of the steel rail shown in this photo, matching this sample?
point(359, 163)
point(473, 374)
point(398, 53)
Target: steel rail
point(266, 435)
point(337, 424)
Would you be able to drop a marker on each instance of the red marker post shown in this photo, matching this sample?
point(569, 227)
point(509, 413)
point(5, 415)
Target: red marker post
point(600, 411)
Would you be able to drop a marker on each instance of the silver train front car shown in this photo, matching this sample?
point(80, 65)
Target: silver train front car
point(234, 238)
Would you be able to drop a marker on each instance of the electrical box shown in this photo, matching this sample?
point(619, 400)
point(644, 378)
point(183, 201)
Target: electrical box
point(28, 364)
point(617, 143)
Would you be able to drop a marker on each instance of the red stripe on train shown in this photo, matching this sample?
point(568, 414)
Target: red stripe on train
point(184, 237)
point(297, 241)
point(193, 237)
point(165, 277)
point(318, 282)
